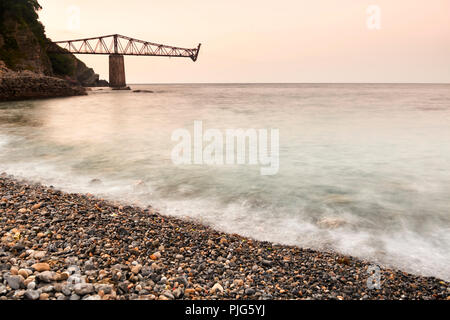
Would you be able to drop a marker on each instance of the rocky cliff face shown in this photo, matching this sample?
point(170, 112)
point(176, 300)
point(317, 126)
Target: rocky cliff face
point(21, 49)
point(23, 45)
point(21, 85)
point(85, 76)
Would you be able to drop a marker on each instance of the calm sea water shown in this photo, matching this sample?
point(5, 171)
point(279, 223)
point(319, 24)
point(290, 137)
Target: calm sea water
point(364, 169)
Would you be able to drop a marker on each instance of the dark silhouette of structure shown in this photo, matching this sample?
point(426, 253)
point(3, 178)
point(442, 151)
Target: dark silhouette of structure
point(117, 46)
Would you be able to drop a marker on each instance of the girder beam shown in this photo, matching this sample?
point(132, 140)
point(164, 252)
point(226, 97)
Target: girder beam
point(121, 45)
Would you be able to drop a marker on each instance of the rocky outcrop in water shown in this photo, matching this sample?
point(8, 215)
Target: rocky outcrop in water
point(85, 76)
point(29, 85)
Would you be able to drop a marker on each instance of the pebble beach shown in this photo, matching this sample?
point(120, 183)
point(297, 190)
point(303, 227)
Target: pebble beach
point(61, 246)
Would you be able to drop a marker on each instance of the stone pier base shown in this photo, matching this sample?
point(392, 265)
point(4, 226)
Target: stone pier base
point(116, 71)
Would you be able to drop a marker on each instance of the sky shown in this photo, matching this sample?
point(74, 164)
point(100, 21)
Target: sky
point(259, 41)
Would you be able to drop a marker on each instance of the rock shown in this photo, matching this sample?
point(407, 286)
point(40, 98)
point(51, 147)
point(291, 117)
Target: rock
point(178, 293)
point(66, 290)
point(179, 257)
point(94, 297)
point(215, 288)
point(39, 267)
point(146, 271)
point(250, 291)
point(168, 295)
point(266, 263)
point(62, 276)
point(95, 182)
point(32, 294)
point(46, 276)
point(36, 206)
point(182, 280)
point(24, 273)
point(155, 256)
point(15, 282)
point(123, 286)
point(44, 296)
point(31, 285)
point(74, 297)
point(22, 86)
point(238, 282)
point(136, 269)
point(106, 288)
point(331, 223)
point(142, 91)
point(39, 254)
point(82, 289)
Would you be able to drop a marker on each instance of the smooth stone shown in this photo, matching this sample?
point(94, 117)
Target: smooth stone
point(75, 297)
point(32, 294)
point(83, 288)
point(46, 276)
point(168, 294)
point(136, 269)
point(216, 287)
point(94, 297)
point(178, 293)
point(31, 285)
point(250, 291)
point(39, 254)
point(40, 267)
point(24, 273)
point(15, 282)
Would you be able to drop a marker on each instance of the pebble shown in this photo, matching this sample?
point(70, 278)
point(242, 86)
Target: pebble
point(250, 291)
point(168, 295)
point(46, 276)
point(82, 289)
point(31, 286)
point(39, 267)
point(32, 294)
point(15, 282)
point(24, 273)
point(136, 269)
point(81, 247)
point(216, 287)
point(44, 296)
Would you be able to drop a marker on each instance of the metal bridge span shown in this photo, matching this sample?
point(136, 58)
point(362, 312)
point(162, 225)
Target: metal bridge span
point(117, 46)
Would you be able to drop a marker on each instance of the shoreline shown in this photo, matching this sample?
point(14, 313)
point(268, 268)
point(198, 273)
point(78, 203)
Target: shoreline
point(26, 85)
point(56, 245)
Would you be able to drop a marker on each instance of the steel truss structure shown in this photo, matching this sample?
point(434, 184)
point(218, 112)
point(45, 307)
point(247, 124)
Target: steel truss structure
point(120, 45)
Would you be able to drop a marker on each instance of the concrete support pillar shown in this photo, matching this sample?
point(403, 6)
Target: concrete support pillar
point(116, 71)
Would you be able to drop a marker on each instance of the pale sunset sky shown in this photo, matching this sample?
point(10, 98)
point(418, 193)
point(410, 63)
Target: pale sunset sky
point(267, 41)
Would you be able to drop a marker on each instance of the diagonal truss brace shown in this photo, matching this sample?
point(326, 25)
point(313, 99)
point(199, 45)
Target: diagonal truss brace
point(121, 45)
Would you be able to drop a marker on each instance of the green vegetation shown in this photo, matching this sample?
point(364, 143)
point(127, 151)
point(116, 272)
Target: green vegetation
point(25, 13)
point(62, 64)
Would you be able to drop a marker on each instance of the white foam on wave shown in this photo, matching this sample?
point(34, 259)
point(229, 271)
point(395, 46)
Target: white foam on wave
point(4, 140)
point(404, 249)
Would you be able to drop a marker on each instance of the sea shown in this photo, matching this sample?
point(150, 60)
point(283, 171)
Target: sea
point(364, 169)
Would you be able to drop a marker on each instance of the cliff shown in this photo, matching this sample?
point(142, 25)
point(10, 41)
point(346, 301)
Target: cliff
point(23, 85)
point(23, 46)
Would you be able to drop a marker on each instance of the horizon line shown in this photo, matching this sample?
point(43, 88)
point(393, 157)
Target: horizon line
point(419, 83)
